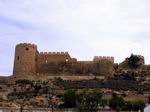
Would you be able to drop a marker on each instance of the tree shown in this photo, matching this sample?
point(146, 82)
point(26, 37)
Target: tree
point(116, 102)
point(133, 61)
point(129, 106)
point(103, 103)
point(70, 99)
point(89, 100)
point(134, 105)
point(138, 105)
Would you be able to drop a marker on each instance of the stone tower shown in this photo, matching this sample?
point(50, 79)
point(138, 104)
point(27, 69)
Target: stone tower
point(25, 59)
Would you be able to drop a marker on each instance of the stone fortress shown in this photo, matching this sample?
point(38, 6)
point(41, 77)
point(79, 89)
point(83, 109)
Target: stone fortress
point(28, 61)
point(31, 64)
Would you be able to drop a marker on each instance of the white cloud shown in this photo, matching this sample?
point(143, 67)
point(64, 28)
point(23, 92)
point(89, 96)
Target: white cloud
point(83, 27)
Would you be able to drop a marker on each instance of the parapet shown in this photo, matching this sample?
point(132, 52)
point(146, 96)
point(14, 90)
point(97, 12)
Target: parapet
point(98, 58)
point(27, 44)
point(53, 53)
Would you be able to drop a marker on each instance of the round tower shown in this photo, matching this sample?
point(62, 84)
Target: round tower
point(25, 59)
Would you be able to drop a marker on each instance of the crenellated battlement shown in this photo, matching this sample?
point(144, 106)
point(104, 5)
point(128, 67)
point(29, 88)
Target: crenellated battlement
point(27, 45)
point(28, 60)
point(98, 58)
point(53, 53)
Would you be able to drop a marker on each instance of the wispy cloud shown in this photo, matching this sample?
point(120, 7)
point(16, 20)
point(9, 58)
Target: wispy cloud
point(16, 23)
point(83, 27)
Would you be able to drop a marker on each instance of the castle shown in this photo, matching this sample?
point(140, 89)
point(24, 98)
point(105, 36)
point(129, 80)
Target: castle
point(28, 61)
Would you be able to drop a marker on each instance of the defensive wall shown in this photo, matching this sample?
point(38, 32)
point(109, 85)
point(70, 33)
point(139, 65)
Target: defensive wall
point(99, 58)
point(28, 60)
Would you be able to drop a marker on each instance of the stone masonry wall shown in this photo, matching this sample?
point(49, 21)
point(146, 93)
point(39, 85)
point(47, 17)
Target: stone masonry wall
point(25, 59)
point(29, 61)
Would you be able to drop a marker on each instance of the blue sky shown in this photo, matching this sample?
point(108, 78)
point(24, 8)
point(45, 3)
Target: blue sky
point(84, 28)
